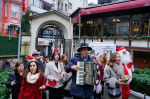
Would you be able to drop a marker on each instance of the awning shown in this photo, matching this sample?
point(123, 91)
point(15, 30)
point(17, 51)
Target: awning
point(117, 7)
point(77, 19)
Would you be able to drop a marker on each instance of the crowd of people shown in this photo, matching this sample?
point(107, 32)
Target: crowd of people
point(58, 76)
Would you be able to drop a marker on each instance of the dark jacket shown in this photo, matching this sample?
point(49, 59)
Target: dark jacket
point(16, 88)
point(83, 91)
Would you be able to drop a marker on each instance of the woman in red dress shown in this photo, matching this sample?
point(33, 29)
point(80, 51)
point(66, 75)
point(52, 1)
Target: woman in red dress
point(33, 82)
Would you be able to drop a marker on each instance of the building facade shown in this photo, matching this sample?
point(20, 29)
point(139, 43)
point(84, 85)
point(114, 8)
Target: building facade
point(10, 17)
point(124, 24)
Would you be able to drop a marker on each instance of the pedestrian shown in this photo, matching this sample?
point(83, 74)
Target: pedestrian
point(100, 76)
point(113, 72)
point(80, 91)
point(36, 56)
point(33, 82)
point(15, 79)
point(68, 78)
point(54, 73)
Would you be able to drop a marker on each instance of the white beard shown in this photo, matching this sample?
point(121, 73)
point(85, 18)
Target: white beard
point(125, 59)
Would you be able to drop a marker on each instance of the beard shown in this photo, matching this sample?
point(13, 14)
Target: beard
point(125, 59)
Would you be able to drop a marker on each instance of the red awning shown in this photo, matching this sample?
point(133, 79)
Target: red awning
point(77, 19)
point(117, 7)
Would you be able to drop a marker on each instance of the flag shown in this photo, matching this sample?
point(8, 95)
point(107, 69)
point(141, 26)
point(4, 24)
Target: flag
point(23, 7)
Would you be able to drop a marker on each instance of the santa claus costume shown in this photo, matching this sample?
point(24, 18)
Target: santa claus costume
point(128, 69)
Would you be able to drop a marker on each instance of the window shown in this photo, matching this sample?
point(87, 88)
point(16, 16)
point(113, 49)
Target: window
point(6, 9)
point(109, 29)
point(70, 5)
point(65, 7)
point(31, 2)
point(61, 6)
point(122, 29)
point(58, 5)
point(37, 3)
point(15, 10)
point(41, 4)
point(140, 28)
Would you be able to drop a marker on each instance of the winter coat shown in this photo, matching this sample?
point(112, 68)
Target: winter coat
point(67, 77)
point(16, 88)
point(111, 76)
point(51, 72)
point(82, 91)
point(101, 72)
point(32, 91)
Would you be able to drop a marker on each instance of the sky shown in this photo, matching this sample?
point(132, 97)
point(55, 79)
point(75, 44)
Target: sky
point(95, 1)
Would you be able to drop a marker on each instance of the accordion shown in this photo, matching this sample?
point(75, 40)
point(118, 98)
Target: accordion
point(87, 74)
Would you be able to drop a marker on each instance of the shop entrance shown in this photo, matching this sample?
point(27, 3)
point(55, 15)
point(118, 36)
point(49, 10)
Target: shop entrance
point(51, 37)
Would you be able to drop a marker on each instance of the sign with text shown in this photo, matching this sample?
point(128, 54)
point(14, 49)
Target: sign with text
point(43, 41)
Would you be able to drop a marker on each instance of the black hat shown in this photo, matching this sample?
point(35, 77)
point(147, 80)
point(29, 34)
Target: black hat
point(84, 45)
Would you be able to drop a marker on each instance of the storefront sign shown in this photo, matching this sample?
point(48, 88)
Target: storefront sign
point(43, 41)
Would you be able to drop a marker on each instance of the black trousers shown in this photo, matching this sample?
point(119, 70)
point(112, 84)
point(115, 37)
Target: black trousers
point(55, 93)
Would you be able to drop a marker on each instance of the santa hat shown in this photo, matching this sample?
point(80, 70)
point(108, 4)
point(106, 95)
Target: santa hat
point(121, 49)
point(31, 58)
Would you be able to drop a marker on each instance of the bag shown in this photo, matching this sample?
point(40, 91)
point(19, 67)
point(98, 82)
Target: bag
point(99, 88)
point(114, 92)
point(65, 83)
point(52, 83)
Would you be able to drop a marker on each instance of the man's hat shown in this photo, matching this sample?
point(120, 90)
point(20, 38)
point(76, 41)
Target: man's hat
point(35, 53)
point(84, 45)
point(121, 49)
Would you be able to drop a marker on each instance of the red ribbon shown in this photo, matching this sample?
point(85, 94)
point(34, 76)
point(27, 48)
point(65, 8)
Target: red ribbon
point(56, 50)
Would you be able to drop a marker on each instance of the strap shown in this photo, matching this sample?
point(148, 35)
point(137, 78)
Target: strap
point(67, 82)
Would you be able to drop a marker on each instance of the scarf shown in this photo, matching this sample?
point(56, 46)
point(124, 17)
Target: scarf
point(32, 78)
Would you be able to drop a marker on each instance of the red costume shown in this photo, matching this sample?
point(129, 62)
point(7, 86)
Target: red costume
point(31, 91)
point(128, 66)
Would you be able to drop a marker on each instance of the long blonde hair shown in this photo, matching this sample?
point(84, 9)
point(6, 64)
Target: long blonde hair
point(63, 61)
point(112, 59)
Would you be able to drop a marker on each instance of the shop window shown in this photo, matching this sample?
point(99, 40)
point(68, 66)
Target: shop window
point(97, 26)
point(122, 29)
point(109, 19)
point(15, 10)
point(89, 27)
point(122, 18)
point(140, 28)
point(109, 29)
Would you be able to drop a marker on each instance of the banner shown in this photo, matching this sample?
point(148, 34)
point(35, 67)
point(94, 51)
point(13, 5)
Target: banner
point(23, 7)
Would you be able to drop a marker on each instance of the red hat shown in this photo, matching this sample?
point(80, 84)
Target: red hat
point(31, 58)
point(121, 49)
point(56, 50)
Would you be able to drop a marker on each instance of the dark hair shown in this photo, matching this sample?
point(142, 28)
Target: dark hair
point(27, 70)
point(112, 59)
point(105, 60)
point(53, 56)
point(64, 62)
point(18, 63)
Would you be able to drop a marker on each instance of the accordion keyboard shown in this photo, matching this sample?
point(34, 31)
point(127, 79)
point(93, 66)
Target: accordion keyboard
point(80, 74)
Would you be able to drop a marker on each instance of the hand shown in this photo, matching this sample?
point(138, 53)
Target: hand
point(119, 81)
point(13, 83)
point(61, 76)
point(75, 67)
point(56, 79)
point(98, 73)
point(42, 87)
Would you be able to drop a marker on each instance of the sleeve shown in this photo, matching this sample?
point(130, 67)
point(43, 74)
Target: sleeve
point(43, 82)
point(71, 63)
point(11, 78)
point(47, 73)
point(22, 89)
point(111, 81)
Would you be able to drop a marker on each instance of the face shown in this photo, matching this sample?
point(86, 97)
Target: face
point(101, 59)
point(65, 58)
point(84, 52)
point(56, 57)
point(124, 53)
point(36, 57)
point(20, 68)
point(118, 59)
point(33, 67)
